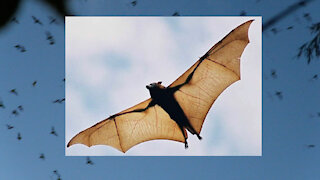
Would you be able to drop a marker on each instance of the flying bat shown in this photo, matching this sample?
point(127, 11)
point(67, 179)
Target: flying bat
point(50, 38)
point(181, 106)
point(55, 172)
point(289, 27)
point(59, 100)
point(89, 161)
point(52, 20)
point(307, 17)
point(274, 74)
point(42, 156)
point(14, 91)
point(15, 112)
point(20, 48)
point(314, 77)
point(311, 146)
point(36, 20)
point(9, 126)
point(243, 13)
point(176, 14)
point(19, 136)
point(15, 20)
point(134, 3)
point(20, 107)
point(34, 83)
point(53, 131)
point(2, 105)
point(279, 94)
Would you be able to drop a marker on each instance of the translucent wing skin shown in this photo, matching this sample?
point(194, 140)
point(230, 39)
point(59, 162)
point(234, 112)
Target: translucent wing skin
point(216, 72)
point(125, 131)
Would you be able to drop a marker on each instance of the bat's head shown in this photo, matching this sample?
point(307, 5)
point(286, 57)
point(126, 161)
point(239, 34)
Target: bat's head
point(156, 85)
point(155, 89)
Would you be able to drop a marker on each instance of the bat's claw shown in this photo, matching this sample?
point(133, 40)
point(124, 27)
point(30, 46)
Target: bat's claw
point(199, 137)
point(186, 145)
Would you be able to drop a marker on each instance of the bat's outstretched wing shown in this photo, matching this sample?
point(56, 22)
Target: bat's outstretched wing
point(127, 130)
point(215, 73)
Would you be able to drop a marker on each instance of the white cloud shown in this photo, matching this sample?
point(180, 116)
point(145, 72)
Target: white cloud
point(150, 49)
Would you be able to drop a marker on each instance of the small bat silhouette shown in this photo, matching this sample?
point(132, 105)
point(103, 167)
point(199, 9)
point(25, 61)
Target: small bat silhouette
point(52, 20)
point(20, 108)
point(50, 38)
point(14, 91)
point(311, 146)
point(273, 74)
point(9, 126)
point(34, 83)
point(53, 132)
point(36, 20)
point(314, 77)
point(20, 48)
point(15, 112)
point(307, 17)
point(55, 172)
point(56, 101)
point(279, 94)
point(19, 136)
point(89, 161)
point(2, 105)
point(243, 13)
point(15, 20)
point(316, 115)
point(134, 3)
point(176, 14)
point(289, 27)
point(42, 156)
point(59, 100)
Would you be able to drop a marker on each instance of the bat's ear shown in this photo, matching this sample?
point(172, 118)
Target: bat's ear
point(159, 82)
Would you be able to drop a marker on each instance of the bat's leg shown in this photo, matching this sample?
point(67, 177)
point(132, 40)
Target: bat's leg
point(184, 132)
point(190, 129)
point(199, 137)
point(186, 144)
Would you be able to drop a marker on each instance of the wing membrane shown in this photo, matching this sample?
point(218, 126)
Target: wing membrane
point(128, 130)
point(219, 70)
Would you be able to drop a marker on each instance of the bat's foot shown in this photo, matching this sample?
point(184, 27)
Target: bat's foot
point(186, 145)
point(199, 137)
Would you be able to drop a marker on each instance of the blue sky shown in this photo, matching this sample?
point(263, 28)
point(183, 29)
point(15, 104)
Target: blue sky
point(289, 125)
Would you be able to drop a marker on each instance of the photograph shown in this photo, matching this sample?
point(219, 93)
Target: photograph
point(163, 86)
